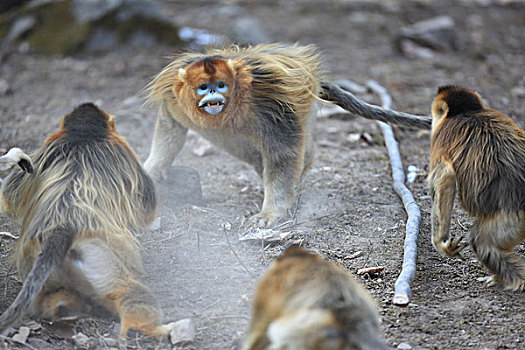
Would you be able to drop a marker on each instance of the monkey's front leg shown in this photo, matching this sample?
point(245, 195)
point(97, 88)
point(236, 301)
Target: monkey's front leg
point(168, 141)
point(281, 175)
point(443, 183)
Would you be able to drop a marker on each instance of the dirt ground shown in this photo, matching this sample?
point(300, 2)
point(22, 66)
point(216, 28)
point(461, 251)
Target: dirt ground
point(195, 264)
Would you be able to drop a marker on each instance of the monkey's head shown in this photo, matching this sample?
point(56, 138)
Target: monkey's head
point(86, 123)
point(213, 89)
point(452, 100)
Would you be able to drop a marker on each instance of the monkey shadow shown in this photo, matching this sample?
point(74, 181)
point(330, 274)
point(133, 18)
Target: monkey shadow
point(181, 187)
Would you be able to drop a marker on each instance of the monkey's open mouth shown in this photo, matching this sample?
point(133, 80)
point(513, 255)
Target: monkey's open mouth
point(212, 103)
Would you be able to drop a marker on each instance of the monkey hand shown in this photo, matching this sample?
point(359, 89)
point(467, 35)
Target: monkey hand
point(16, 156)
point(450, 246)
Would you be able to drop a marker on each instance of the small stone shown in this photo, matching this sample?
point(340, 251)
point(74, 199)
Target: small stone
point(80, 339)
point(21, 26)
point(202, 147)
point(353, 137)
point(436, 33)
point(412, 50)
point(518, 91)
point(4, 87)
point(156, 224)
point(22, 335)
point(404, 346)
point(182, 332)
point(110, 342)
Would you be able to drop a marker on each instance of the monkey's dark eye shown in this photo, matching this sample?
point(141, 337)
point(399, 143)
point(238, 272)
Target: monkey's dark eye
point(221, 87)
point(202, 89)
point(441, 110)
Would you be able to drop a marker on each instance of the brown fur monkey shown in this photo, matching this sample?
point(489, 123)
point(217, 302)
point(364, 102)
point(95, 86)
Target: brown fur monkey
point(306, 302)
point(79, 210)
point(258, 104)
point(480, 151)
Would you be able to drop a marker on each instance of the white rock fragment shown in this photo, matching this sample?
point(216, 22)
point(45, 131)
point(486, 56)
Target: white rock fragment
point(80, 339)
point(22, 335)
point(182, 331)
point(156, 224)
point(202, 148)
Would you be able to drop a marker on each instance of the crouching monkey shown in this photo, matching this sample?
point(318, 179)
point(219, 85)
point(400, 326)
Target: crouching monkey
point(79, 210)
point(306, 302)
point(480, 151)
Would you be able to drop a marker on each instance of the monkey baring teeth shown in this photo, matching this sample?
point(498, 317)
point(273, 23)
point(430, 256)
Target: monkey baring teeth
point(212, 103)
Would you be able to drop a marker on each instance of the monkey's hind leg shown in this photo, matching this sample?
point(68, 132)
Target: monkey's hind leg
point(493, 241)
point(118, 288)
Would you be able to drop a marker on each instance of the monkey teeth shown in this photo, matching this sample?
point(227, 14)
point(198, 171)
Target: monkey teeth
point(212, 104)
point(215, 104)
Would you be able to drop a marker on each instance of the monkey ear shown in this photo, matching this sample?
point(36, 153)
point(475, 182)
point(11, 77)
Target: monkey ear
point(240, 70)
point(111, 122)
point(182, 73)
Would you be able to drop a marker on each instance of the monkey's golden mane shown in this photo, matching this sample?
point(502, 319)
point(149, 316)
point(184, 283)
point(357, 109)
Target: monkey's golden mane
point(287, 75)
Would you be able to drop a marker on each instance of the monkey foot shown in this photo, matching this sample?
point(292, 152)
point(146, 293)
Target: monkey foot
point(489, 280)
point(517, 286)
point(264, 219)
point(452, 247)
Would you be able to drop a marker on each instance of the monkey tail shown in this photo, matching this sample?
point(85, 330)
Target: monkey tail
point(54, 249)
point(333, 93)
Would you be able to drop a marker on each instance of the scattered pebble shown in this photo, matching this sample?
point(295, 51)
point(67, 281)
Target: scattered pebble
point(80, 339)
point(156, 224)
point(4, 87)
point(183, 331)
point(22, 335)
point(202, 147)
point(404, 346)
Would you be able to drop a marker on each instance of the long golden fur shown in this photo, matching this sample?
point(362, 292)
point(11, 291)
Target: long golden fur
point(481, 151)
point(80, 209)
point(289, 75)
point(306, 302)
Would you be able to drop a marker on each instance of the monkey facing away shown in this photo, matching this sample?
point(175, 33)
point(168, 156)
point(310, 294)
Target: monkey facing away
point(306, 302)
point(258, 104)
point(79, 210)
point(15, 156)
point(480, 151)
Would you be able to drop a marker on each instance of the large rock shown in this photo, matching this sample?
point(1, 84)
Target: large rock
point(69, 26)
point(437, 33)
